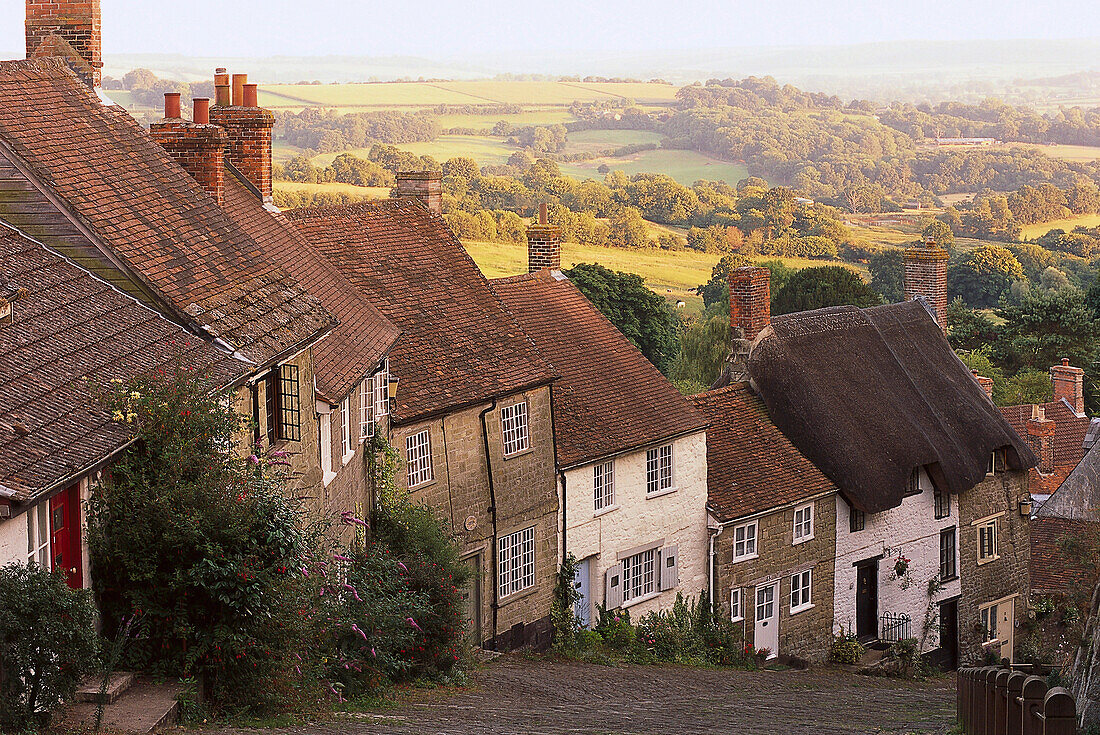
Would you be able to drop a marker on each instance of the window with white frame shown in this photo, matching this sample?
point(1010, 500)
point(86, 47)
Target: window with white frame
point(382, 391)
point(513, 427)
point(346, 447)
point(803, 523)
point(418, 458)
point(640, 575)
point(516, 561)
point(800, 591)
point(744, 541)
point(38, 535)
point(324, 426)
point(603, 485)
point(988, 620)
point(658, 469)
point(987, 541)
point(366, 409)
point(736, 613)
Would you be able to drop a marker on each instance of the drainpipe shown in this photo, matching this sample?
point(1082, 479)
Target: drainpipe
point(493, 512)
point(712, 570)
point(561, 473)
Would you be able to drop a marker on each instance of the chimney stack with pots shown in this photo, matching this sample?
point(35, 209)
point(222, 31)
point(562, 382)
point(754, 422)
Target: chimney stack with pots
point(543, 244)
point(71, 29)
point(197, 146)
point(986, 384)
point(1040, 437)
point(1069, 384)
point(248, 128)
point(926, 278)
point(426, 186)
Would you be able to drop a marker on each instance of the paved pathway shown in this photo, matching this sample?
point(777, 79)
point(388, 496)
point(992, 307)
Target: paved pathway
point(514, 695)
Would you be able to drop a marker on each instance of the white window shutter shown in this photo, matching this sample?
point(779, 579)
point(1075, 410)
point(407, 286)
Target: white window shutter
point(613, 588)
point(670, 567)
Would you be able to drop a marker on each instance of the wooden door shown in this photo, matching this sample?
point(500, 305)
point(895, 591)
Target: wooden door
point(766, 633)
point(867, 600)
point(1006, 628)
point(949, 633)
point(65, 551)
point(582, 609)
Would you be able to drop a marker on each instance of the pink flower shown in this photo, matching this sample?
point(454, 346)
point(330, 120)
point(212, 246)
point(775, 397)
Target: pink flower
point(412, 622)
point(351, 589)
point(361, 634)
point(339, 557)
point(254, 459)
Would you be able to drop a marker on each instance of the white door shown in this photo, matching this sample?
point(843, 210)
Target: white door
point(1006, 628)
point(582, 608)
point(767, 619)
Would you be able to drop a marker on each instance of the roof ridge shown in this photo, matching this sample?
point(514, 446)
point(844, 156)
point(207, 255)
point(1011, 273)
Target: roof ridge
point(741, 386)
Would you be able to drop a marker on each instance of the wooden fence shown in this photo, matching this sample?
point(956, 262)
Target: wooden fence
point(995, 700)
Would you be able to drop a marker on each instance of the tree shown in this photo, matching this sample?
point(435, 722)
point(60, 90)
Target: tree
point(717, 289)
point(816, 288)
point(628, 229)
point(642, 316)
point(887, 269)
point(1043, 328)
point(968, 329)
point(704, 346)
point(1026, 386)
point(461, 167)
point(940, 232)
point(983, 276)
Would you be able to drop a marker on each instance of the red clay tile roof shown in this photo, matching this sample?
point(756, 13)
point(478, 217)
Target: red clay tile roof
point(1053, 568)
point(71, 327)
point(460, 346)
point(149, 212)
point(363, 336)
point(751, 465)
point(1069, 429)
point(609, 397)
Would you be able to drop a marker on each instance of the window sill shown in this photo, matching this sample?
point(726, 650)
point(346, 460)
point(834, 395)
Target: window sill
point(802, 608)
point(738, 619)
point(802, 540)
point(739, 559)
point(520, 453)
point(347, 458)
point(659, 493)
point(327, 476)
point(518, 595)
point(605, 510)
point(420, 486)
point(988, 559)
point(952, 578)
point(639, 600)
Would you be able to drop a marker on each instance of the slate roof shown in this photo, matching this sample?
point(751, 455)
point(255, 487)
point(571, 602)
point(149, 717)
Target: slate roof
point(1053, 567)
point(1078, 496)
point(460, 346)
point(124, 189)
point(70, 328)
point(362, 337)
point(868, 395)
point(609, 398)
point(751, 465)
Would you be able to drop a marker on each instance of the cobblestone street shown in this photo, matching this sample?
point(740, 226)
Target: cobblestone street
point(515, 695)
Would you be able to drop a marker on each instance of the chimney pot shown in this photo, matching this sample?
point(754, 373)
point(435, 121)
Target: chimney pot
point(222, 95)
point(172, 106)
point(251, 95)
point(201, 106)
point(543, 216)
point(239, 80)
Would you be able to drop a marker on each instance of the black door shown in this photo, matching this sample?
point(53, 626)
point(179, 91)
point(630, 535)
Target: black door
point(867, 600)
point(949, 633)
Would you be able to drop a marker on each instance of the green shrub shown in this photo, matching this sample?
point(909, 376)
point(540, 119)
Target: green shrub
point(562, 617)
point(659, 635)
point(846, 650)
point(47, 644)
point(1043, 605)
point(615, 628)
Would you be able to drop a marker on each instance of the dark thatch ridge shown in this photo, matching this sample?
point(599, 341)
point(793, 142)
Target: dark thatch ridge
point(868, 395)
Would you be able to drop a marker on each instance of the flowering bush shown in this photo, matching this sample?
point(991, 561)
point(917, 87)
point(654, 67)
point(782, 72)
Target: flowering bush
point(47, 643)
point(615, 629)
point(846, 649)
point(202, 547)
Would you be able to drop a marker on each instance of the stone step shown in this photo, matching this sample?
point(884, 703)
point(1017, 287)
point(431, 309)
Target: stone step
point(145, 707)
point(91, 689)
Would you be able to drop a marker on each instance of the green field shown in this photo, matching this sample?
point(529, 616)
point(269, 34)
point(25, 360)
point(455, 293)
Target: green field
point(686, 167)
point(1077, 153)
point(548, 116)
point(595, 141)
point(367, 192)
point(1086, 220)
point(485, 150)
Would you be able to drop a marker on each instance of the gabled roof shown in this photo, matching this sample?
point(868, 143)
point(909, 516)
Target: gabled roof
point(71, 328)
point(869, 395)
point(751, 466)
point(1078, 496)
point(132, 200)
point(1056, 566)
point(460, 346)
point(609, 398)
point(1069, 429)
point(363, 335)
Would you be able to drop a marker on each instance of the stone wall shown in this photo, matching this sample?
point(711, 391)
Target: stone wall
point(1007, 577)
point(805, 634)
point(679, 518)
point(526, 496)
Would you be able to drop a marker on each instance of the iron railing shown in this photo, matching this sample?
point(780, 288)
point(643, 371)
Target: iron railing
point(895, 627)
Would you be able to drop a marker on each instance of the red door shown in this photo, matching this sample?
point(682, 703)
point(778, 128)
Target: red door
point(65, 535)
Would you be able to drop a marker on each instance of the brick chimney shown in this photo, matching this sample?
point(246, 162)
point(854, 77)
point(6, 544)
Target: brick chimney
point(1069, 383)
point(196, 146)
point(750, 300)
point(543, 244)
point(926, 277)
point(248, 128)
point(985, 383)
point(1040, 437)
point(71, 29)
point(427, 186)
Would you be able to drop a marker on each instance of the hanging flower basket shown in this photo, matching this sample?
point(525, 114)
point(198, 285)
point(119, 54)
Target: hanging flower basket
point(901, 567)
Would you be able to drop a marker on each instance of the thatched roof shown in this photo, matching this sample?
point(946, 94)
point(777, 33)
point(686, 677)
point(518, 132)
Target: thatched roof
point(868, 395)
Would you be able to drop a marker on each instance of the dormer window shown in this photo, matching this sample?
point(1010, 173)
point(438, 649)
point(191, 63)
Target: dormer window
point(8, 296)
point(996, 462)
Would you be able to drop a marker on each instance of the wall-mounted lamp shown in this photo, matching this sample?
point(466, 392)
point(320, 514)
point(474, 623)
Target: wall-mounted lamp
point(1025, 507)
point(393, 387)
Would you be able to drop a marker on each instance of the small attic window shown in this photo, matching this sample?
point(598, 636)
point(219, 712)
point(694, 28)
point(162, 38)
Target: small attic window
point(8, 296)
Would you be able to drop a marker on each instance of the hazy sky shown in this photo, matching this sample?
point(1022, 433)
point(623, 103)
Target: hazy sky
point(444, 28)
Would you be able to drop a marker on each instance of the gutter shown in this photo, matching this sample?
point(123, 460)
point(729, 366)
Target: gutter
point(493, 510)
point(564, 483)
point(773, 509)
point(633, 448)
